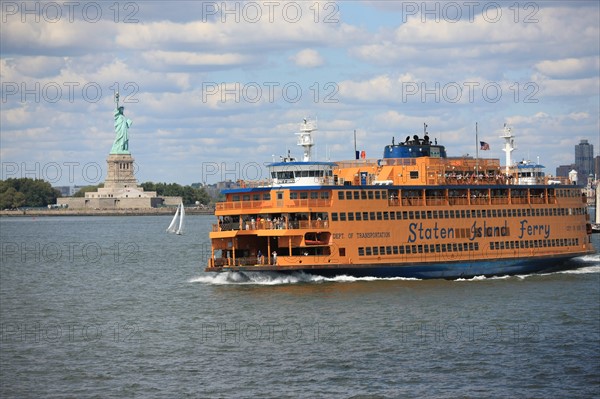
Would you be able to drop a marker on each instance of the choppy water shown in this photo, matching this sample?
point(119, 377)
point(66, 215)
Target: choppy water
point(115, 307)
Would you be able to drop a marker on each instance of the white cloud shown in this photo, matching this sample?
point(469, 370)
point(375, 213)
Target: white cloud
point(569, 67)
point(307, 58)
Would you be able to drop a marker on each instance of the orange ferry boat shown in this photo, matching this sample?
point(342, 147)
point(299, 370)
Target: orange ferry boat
point(413, 213)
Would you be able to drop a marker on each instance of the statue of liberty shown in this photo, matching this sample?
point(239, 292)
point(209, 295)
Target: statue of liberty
point(122, 124)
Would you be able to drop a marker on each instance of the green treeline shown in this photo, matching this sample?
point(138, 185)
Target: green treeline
point(26, 192)
point(188, 194)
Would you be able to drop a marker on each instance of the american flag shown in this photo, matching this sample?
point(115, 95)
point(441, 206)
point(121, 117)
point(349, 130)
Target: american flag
point(484, 146)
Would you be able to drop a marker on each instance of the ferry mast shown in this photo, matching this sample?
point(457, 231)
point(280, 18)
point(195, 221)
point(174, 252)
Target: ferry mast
point(509, 146)
point(305, 139)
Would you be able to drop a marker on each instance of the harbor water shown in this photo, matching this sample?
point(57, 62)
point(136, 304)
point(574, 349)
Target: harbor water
point(115, 307)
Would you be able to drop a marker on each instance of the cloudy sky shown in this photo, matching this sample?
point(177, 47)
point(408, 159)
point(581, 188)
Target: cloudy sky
point(217, 89)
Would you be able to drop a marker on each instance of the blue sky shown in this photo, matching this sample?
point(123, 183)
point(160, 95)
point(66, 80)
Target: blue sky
point(216, 88)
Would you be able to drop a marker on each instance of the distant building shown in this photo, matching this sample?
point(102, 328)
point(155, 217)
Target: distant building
point(563, 170)
point(584, 158)
point(68, 191)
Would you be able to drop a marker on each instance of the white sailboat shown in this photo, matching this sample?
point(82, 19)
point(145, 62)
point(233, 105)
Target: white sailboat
point(176, 225)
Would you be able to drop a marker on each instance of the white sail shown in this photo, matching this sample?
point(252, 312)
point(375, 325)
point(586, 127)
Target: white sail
point(180, 229)
point(171, 228)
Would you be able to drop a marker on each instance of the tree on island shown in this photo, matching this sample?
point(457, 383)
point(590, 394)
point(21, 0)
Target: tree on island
point(188, 194)
point(26, 192)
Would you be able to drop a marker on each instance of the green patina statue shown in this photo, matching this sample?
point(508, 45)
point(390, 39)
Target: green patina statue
point(122, 124)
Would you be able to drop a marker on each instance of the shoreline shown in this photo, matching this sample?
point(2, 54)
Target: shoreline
point(102, 212)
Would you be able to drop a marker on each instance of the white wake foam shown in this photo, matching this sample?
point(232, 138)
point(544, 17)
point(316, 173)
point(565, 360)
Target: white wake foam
point(274, 278)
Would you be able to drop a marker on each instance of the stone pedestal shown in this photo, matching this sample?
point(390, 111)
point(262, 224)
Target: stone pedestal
point(120, 172)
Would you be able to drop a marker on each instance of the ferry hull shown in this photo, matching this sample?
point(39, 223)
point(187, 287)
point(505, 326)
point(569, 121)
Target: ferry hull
point(446, 270)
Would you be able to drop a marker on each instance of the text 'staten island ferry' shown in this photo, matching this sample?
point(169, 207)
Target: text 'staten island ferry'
point(413, 213)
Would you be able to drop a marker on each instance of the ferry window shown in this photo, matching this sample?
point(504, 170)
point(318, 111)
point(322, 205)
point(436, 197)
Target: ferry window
point(285, 175)
point(446, 214)
point(386, 216)
point(351, 216)
point(267, 197)
point(451, 214)
point(314, 195)
point(375, 251)
point(379, 216)
point(356, 195)
point(361, 251)
point(411, 215)
point(348, 195)
point(342, 251)
point(368, 250)
point(325, 195)
point(293, 195)
point(414, 174)
point(443, 247)
point(371, 215)
point(426, 248)
point(393, 215)
point(413, 249)
point(342, 216)
point(370, 194)
point(279, 195)
point(255, 197)
point(340, 195)
point(417, 215)
point(246, 197)
point(420, 248)
point(377, 195)
point(365, 215)
point(358, 214)
point(437, 247)
point(303, 195)
point(478, 213)
point(383, 195)
point(382, 250)
point(235, 198)
point(363, 195)
point(334, 217)
point(401, 249)
point(395, 250)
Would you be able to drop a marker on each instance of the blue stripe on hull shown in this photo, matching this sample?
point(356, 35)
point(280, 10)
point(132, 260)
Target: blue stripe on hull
point(451, 270)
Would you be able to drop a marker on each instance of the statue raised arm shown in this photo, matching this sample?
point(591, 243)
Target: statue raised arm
point(122, 124)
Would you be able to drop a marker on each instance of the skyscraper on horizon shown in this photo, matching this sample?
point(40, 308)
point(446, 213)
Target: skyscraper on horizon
point(584, 158)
